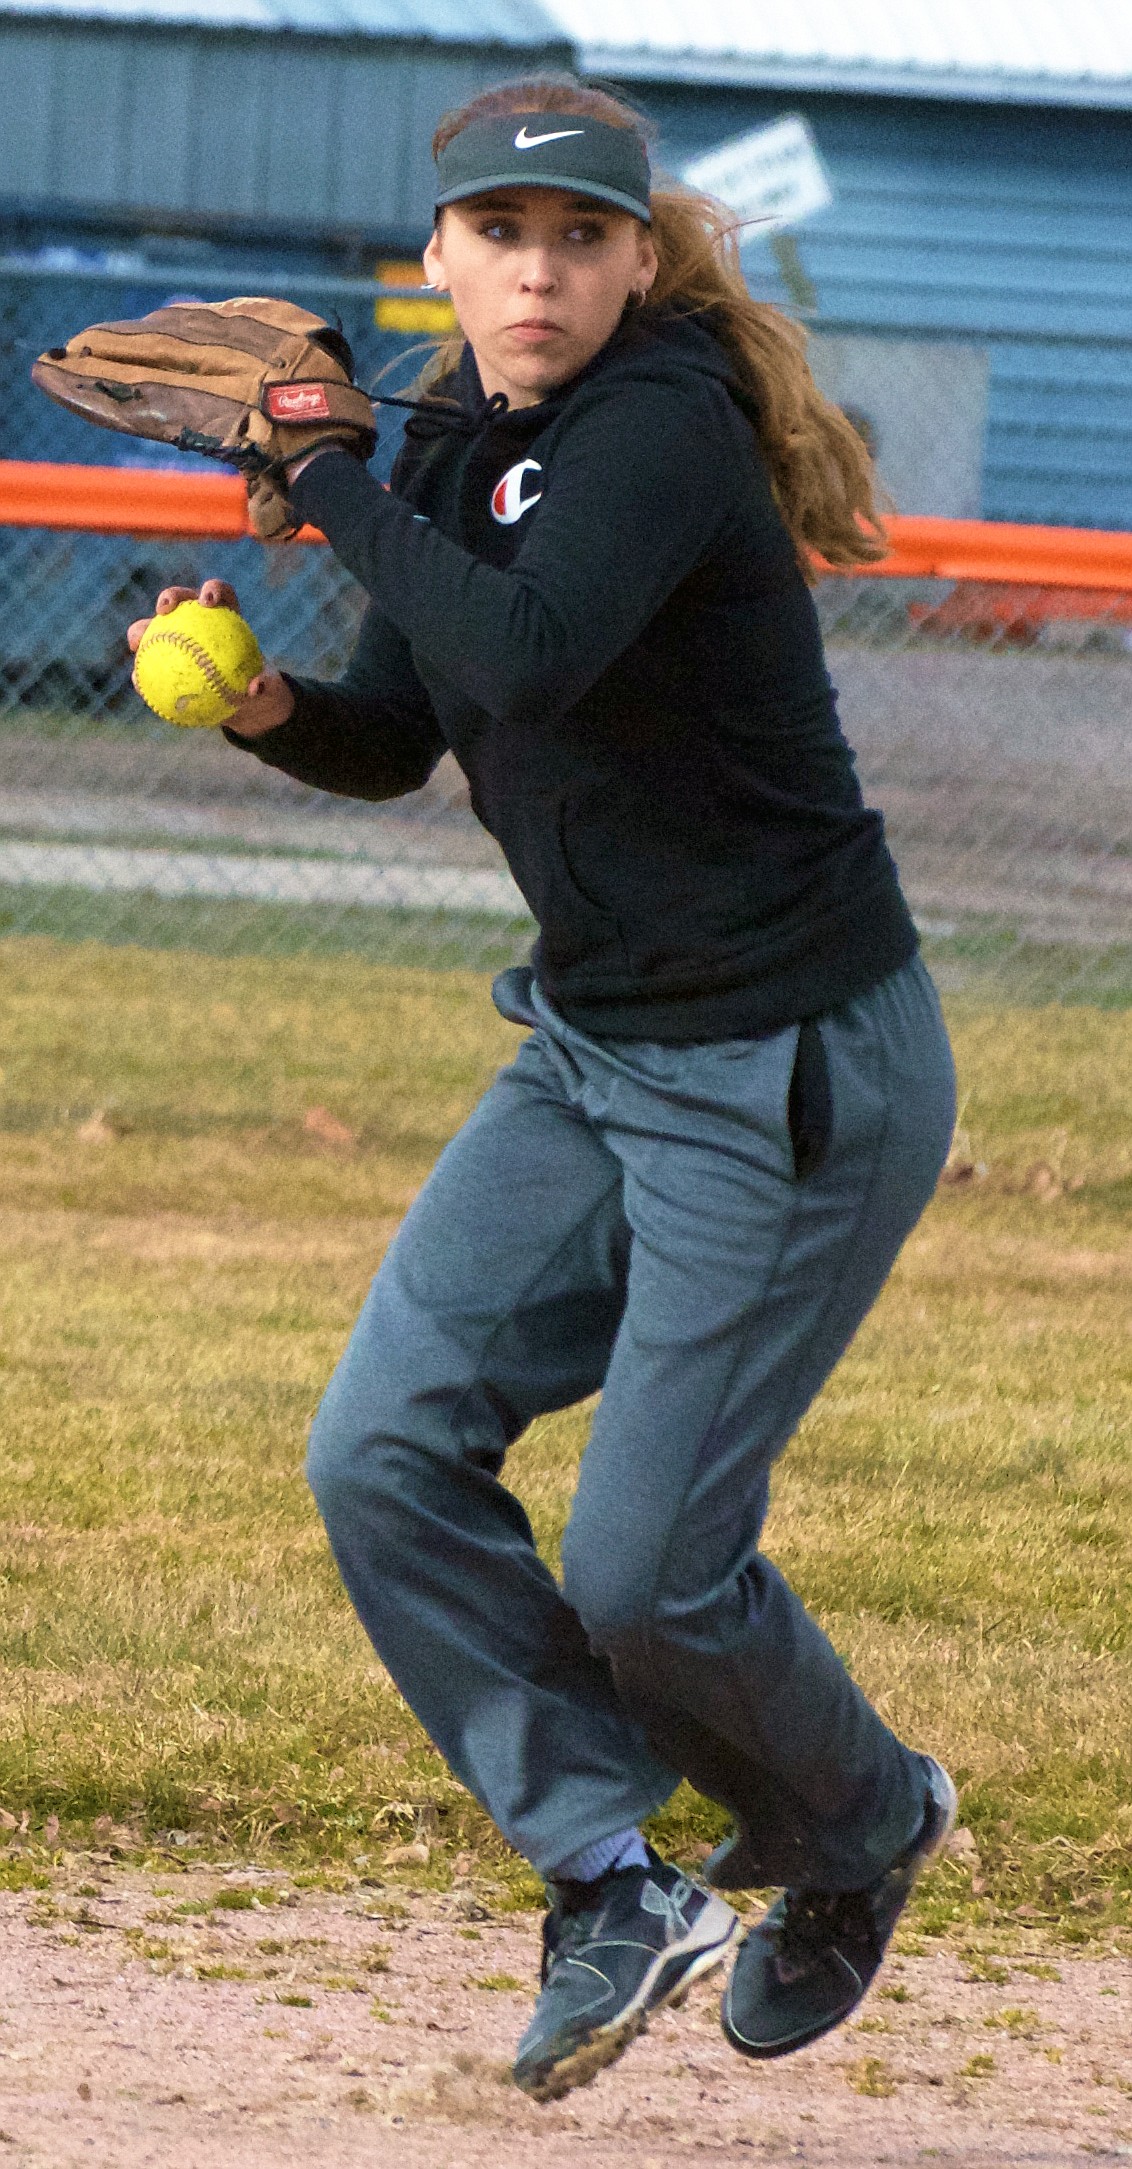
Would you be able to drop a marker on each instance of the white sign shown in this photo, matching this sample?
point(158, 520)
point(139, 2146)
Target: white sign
point(772, 177)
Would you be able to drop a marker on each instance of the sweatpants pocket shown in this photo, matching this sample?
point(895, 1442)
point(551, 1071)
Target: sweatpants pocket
point(809, 1107)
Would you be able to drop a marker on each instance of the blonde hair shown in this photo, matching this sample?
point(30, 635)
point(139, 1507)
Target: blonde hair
point(820, 470)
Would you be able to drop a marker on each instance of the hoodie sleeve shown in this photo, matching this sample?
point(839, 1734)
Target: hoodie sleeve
point(639, 487)
point(371, 735)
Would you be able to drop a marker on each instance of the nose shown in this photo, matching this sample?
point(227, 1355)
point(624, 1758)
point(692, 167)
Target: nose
point(537, 273)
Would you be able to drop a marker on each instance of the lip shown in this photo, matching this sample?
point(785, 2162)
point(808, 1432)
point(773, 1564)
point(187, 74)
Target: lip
point(534, 328)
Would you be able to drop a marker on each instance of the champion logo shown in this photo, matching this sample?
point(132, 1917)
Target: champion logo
point(297, 403)
point(524, 142)
point(508, 502)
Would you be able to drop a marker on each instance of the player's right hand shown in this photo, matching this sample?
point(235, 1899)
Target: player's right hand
point(269, 699)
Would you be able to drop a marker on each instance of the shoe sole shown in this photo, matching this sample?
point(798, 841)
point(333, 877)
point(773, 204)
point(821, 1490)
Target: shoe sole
point(767, 2054)
point(608, 2044)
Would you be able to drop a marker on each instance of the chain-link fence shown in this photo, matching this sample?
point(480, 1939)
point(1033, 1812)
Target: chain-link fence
point(993, 724)
point(42, 306)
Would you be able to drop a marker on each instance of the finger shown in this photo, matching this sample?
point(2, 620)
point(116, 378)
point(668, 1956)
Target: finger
point(218, 595)
point(134, 633)
point(171, 596)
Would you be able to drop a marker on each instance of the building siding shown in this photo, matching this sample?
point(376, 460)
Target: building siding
point(311, 132)
point(1003, 225)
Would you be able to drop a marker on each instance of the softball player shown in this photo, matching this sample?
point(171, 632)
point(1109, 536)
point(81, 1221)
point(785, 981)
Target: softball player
point(733, 1103)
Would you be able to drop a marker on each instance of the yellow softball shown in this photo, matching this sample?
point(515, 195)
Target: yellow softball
point(194, 665)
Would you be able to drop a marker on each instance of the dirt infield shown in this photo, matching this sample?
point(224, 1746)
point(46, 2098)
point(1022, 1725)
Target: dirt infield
point(229, 2021)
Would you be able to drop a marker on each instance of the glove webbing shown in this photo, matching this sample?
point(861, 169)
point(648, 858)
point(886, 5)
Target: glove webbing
point(254, 463)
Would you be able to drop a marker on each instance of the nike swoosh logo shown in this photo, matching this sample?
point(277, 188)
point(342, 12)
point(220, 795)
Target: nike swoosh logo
point(524, 142)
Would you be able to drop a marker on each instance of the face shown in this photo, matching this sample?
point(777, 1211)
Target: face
point(539, 280)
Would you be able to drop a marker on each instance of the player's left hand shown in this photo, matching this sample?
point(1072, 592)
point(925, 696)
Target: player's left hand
point(253, 382)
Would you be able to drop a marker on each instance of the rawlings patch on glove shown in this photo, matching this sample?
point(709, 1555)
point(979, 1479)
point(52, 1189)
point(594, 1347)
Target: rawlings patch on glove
point(254, 383)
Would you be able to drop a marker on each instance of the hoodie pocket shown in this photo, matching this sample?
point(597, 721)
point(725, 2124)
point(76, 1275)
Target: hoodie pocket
point(642, 857)
point(571, 830)
point(575, 927)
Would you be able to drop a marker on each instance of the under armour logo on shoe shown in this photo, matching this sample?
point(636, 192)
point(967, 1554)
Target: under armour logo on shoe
point(668, 1905)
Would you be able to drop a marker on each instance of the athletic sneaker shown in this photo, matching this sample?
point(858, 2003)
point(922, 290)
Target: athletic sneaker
point(614, 1950)
point(811, 1958)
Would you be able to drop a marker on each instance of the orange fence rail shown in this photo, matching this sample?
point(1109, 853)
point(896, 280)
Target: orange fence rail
point(148, 501)
point(994, 550)
point(125, 501)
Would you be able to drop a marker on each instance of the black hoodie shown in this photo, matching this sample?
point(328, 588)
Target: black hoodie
point(596, 604)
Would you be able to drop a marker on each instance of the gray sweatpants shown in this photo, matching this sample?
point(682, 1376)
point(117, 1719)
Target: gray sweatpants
point(697, 1231)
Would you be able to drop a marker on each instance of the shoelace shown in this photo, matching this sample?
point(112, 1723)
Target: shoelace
point(815, 1920)
point(563, 1930)
point(561, 1934)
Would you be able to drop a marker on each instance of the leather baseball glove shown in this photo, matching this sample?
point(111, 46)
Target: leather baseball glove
point(252, 382)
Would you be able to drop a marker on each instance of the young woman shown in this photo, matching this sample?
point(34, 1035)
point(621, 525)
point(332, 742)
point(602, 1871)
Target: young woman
point(588, 581)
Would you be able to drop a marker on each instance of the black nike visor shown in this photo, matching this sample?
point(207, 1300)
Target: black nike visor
point(546, 150)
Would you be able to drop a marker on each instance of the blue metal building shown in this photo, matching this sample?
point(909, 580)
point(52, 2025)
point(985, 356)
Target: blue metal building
point(1001, 225)
point(982, 167)
point(981, 162)
point(300, 121)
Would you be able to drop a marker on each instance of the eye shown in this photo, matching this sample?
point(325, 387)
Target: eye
point(499, 229)
point(587, 231)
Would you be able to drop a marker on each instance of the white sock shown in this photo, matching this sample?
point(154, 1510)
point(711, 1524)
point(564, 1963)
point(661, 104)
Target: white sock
point(626, 1849)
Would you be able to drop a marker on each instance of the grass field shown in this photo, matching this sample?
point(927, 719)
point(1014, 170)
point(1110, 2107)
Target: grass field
point(981, 961)
point(184, 1249)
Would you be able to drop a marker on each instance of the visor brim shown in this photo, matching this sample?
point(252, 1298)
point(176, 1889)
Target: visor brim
point(567, 183)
